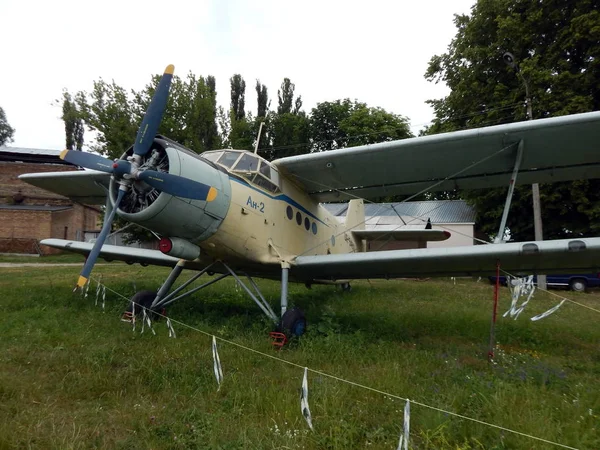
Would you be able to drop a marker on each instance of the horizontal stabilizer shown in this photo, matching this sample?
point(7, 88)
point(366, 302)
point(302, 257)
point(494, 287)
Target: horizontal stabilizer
point(560, 256)
point(83, 186)
point(402, 235)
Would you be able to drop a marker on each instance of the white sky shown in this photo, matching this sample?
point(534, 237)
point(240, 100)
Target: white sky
point(374, 51)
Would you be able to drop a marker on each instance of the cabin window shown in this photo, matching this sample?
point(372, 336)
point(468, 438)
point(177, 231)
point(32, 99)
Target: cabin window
point(229, 158)
point(314, 228)
point(247, 163)
point(290, 212)
point(306, 223)
point(299, 218)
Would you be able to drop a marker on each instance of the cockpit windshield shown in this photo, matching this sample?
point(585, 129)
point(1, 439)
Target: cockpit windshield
point(252, 168)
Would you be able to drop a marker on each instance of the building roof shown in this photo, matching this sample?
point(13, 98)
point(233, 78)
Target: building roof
point(37, 155)
point(34, 208)
point(439, 211)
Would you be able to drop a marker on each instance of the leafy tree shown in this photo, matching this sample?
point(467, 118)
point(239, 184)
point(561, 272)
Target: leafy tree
point(367, 125)
point(190, 117)
point(111, 113)
point(6, 131)
point(557, 47)
point(72, 118)
point(325, 120)
point(289, 134)
point(344, 123)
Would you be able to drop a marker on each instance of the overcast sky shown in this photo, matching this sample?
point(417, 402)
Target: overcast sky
point(374, 51)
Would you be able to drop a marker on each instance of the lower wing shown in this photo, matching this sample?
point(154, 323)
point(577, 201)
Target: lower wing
point(115, 252)
point(566, 255)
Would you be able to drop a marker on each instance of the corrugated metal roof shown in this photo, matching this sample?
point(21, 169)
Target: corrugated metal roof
point(30, 151)
point(439, 211)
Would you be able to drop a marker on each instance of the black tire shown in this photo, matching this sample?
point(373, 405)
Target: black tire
point(578, 285)
point(145, 299)
point(293, 322)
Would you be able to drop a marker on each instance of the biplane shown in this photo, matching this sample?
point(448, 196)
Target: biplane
point(232, 213)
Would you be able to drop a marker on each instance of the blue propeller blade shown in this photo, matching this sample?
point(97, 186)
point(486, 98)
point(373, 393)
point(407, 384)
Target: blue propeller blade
point(93, 256)
point(153, 117)
point(178, 186)
point(87, 160)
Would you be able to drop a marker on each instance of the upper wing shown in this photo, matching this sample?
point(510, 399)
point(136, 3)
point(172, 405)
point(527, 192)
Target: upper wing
point(566, 255)
point(555, 149)
point(83, 186)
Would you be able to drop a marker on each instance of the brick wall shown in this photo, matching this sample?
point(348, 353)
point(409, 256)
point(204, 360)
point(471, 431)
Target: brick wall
point(11, 185)
point(20, 230)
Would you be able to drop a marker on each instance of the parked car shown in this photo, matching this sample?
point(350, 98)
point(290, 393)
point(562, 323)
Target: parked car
point(577, 282)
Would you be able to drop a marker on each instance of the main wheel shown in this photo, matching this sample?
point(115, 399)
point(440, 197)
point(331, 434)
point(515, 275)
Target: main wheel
point(578, 285)
point(293, 322)
point(143, 299)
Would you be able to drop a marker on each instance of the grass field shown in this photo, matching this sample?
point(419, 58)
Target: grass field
point(74, 376)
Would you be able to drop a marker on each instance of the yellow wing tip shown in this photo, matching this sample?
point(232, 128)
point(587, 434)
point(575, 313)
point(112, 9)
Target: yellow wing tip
point(63, 154)
point(81, 281)
point(170, 69)
point(212, 194)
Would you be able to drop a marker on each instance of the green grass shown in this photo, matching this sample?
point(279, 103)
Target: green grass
point(75, 376)
point(60, 258)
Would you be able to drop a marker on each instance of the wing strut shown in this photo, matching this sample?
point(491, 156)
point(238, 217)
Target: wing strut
point(511, 187)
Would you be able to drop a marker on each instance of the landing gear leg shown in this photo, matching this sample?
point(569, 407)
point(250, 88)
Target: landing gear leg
point(293, 321)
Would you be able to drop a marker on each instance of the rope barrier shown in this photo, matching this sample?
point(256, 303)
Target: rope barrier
point(352, 383)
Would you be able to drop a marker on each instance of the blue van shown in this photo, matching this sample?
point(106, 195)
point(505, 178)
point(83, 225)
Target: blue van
point(578, 282)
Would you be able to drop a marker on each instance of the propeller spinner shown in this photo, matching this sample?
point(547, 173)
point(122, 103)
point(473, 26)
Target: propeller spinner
point(127, 171)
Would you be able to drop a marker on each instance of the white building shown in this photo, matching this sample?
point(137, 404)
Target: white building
point(454, 216)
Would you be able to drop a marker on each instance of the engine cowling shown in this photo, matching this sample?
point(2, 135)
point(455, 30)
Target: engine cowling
point(193, 220)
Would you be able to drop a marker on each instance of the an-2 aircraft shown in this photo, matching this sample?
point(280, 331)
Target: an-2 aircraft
point(233, 213)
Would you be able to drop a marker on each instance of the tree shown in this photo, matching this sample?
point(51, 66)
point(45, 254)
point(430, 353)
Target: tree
point(557, 46)
point(344, 123)
point(114, 114)
point(72, 118)
point(367, 125)
point(325, 120)
point(285, 97)
point(289, 134)
point(262, 99)
point(238, 95)
point(6, 131)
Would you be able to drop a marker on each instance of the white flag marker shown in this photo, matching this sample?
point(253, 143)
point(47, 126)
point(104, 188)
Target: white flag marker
point(217, 363)
point(550, 311)
point(304, 408)
point(403, 444)
point(171, 329)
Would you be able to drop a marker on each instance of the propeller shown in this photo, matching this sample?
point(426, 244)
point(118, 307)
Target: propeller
point(127, 171)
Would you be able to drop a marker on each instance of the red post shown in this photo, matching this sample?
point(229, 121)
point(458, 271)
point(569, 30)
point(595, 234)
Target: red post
point(494, 313)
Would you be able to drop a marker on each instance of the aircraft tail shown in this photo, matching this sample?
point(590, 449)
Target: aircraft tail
point(355, 220)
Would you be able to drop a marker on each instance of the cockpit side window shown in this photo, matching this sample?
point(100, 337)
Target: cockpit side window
point(268, 171)
point(261, 181)
point(247, 163)
point(228, 158)
point(212, 156)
